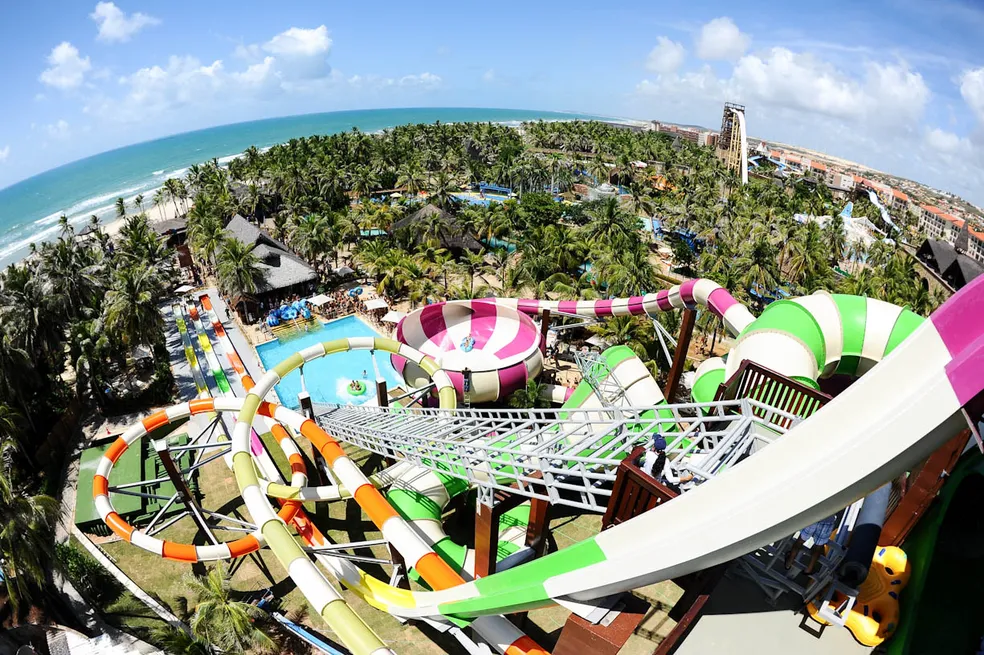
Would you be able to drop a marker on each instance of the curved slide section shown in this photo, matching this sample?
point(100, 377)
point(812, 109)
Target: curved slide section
point(813, 337)
point(495, 340)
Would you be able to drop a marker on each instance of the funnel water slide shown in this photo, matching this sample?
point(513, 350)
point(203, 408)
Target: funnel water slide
point(498, 346)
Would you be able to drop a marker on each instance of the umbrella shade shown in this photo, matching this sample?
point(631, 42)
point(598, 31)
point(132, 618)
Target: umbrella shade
point(598, 341)
point(343, 270)
point(318, 300)
point(376, 303)
point(184, 288)
point(393, 316)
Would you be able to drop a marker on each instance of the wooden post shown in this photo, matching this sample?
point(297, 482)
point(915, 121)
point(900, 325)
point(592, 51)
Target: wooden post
point(680, 356)
point(486, 539)
point(382, 393)
point(184, 493)
point(544, 328)
point(536, 529)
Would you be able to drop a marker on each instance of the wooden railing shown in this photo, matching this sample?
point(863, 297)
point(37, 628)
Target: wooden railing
point(757, 382)
point(634, 492)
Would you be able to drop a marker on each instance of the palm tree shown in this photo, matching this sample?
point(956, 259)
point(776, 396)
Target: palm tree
point(179, 642)
point(138, 202)
point(222, 621)
point(315, 237)
point(239, 272)
point(532, 395)
point(121, 208)
point(411, 177)
point(26, 548)
point(638, 334)
point(131, 309)
point(160, 199)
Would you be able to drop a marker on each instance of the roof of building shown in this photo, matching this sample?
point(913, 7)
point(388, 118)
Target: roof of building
point(249, 233)
point(452, 234)
point(282, 268)
point(955, 267)
point(820, 166)
point(931, 209)
point(900, 195)
point(171, 225)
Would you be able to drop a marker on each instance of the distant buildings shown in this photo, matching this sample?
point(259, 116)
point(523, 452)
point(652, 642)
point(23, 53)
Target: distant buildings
point(700, 137)
point(937, 224)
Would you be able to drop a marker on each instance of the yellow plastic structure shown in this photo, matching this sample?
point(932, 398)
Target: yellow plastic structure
point(875, 615)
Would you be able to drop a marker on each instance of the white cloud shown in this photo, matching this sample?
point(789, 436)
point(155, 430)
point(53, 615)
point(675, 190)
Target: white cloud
point(947, 142)
point(66, 69)
point(58, 130)
point(423, 81)
point(972, 90)
point(300, 41)
point(4, 153)
point(114, 25)
point(489, 75)
point(666, 57)
point(721, 39)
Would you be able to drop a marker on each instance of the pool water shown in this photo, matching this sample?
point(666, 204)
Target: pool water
point(327, 378)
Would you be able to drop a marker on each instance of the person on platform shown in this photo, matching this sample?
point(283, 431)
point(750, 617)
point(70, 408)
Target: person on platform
point(656, 464)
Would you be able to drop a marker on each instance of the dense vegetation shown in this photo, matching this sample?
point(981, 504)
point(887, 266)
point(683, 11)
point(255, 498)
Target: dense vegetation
point(73, 315)
point(323, 194)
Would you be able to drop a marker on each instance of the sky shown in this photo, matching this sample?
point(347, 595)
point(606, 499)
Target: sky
point(897, 85)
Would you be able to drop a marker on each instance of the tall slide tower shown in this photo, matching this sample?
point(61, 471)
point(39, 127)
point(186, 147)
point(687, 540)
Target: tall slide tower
point(732, 143)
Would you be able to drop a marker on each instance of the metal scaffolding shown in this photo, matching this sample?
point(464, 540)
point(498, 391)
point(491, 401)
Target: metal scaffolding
point(568, 456)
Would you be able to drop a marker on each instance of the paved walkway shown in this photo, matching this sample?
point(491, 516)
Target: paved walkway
point(738, 621)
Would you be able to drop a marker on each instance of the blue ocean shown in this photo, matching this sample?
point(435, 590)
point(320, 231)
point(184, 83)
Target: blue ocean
point(29, 210)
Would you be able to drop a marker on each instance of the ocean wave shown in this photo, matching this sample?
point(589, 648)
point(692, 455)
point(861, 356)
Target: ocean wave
point(27, 241)
point(160, 172)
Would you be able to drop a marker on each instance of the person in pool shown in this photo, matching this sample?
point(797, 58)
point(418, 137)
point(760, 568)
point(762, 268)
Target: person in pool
point(354, 385)
point(364, 375)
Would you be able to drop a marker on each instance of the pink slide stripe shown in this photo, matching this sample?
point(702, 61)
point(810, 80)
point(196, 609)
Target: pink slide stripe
point(484, 321)
point(960, 318)
point(568, 306)
point(458, 380)
point(635, 305)
point(523, 340)
point(511, 378)
point(663, 300)
point(720, 301)
point(687, 292)
point(603, 308)
point(528, 306)
point(966, 372)
point(432, 321)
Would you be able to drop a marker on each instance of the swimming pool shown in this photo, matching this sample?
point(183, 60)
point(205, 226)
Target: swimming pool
point(327, 378)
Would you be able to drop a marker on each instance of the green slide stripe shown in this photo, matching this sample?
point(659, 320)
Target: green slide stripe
point(853, 315)
point(706, 386)
point(222, 380)
point(793, 319)
point(522, 587)
point(905, 325)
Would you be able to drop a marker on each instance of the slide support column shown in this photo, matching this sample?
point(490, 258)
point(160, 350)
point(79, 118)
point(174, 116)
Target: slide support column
point(680, 354)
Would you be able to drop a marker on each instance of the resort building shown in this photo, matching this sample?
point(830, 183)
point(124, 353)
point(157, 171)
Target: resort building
point(956, 268)
point(285, 274)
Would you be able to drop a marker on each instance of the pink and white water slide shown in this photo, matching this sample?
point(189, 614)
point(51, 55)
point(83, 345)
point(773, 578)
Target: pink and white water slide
point(497, 345)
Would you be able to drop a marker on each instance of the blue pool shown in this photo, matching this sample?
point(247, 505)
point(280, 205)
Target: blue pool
point(327, 378)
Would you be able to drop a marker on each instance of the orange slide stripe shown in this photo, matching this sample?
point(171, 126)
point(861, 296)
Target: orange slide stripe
point(374, 505)
point(201, 405)
point(100, 486)
point(180, 552)
point(156, 420)
point(436, 572)
point(114, 451)
point(244, 546)
point(525, 646)
point(297, 464)
point(119, 526)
